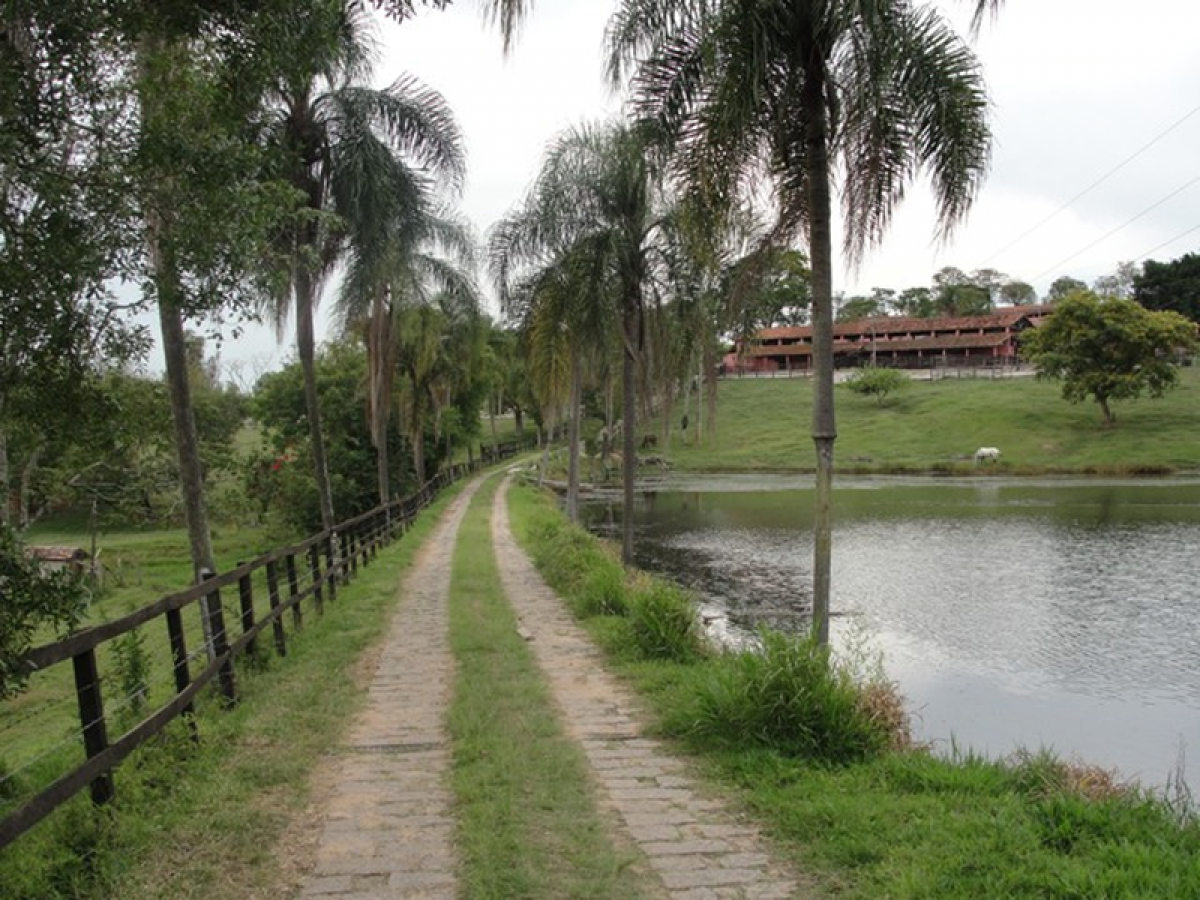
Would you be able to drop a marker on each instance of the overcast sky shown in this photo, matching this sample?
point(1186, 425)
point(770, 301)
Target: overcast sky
point(1079, 88)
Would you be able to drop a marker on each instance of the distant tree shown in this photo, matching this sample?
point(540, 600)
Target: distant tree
point(1172, 285)
point(1120, 283)
point(1062, 287)
point(780, 291)
point(1017, 293)
point(854, 308)
point(1108, 349)
point(877, 383)
point(958, 294)
point(916, 301)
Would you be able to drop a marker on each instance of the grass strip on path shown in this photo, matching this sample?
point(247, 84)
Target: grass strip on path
point(528, 823)
point(216, 820)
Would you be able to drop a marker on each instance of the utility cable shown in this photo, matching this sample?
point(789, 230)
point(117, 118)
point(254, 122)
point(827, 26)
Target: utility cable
point(1110, 233)
point(1093, 185)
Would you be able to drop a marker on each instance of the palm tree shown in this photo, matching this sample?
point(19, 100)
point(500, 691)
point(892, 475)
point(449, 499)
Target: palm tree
point(434, 345)
point(359, 157)
point(798, 92)
point(565, 309)
point(596, 188)
point(425, 253)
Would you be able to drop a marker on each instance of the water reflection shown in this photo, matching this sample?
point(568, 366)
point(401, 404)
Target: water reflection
point(1053, 612)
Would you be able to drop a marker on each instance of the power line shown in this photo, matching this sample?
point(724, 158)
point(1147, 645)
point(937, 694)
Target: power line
point(1093, 185)
point(1166, 242)
point(1108, 234)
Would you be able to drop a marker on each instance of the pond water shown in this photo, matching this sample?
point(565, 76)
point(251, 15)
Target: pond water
point(1060, 613)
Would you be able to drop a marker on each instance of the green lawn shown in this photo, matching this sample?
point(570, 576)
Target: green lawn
point(764, 425)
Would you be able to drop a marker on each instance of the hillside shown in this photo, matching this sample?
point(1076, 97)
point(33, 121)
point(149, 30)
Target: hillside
point(763, 425)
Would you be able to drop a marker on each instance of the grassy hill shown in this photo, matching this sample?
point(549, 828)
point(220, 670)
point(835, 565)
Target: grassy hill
point(763, 425)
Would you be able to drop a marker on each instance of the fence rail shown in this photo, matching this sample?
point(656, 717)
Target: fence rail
point(311, 568)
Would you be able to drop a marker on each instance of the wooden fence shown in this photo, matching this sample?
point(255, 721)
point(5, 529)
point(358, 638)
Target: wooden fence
point(312, 569)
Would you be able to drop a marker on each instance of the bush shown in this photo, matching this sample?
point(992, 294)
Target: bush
point(602, 592)
point(877, 383)
point(664, 623)
point(788, 695)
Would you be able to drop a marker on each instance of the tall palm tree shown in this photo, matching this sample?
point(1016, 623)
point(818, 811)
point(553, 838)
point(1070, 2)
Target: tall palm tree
point(800, 93)
point(597, 186)
point(425, 253)
point(359, 157)
point(565, 309)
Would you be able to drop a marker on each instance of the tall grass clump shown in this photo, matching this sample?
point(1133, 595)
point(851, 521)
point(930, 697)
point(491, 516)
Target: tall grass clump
point(664, 623)
point(788, 695)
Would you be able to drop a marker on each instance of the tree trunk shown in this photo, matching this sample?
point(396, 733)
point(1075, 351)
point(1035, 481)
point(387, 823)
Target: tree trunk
point(1109, 418)
point(418, 452)
point(573, 439)
point(824, 431)
point(25, 489)
point(306, 350)
point(5, 483)
point(629, 324)
point(379, 338)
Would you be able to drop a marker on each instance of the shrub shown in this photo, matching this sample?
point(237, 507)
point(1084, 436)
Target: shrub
point(664, 622)
point(877, 383)
point(602, 592)
point(788, 695)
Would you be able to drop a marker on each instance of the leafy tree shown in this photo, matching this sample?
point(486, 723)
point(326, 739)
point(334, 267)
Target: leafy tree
point(1109, 349)
point(746, 89)
point(1121, 283)
point(1171, 285)
point(1017, 293)
point(854, 308)
point(1063, 286)
point(777, 289)
point(917, 302)
point(877, 383)
point(30, 598)
point(959, 294)
point(281, 478)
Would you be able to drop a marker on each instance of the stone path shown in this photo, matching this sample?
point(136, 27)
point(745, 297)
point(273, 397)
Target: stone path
point(695, 844)
point(388, 829)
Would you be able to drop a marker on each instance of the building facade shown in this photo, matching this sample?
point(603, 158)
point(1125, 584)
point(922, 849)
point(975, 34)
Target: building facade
point(896, 342)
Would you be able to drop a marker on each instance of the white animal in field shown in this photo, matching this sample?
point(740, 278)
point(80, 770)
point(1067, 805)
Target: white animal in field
point(987, 454)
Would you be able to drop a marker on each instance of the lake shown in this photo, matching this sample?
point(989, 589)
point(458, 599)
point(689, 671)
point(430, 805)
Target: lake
point(1059, 613)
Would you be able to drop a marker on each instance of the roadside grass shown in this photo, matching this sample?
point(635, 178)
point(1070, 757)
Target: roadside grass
point(764, 425)
point(140, 567)
point(900, 824)
point(528, 825)
point(208, 820)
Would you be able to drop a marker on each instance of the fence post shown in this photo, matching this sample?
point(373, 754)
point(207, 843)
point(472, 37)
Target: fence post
point(332, 564)
point(216, 620)
point(91, 714)
point(314, 568)
point(273, 599)
point(349, 553)
point(246, 599)
point(355, 550)
point(179, 662)
point(294, 591)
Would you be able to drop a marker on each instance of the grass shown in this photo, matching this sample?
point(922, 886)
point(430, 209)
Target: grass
point(140, 566)
point(764, 425)
point(209, 820)
point(901, 823)
point(527, 822)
